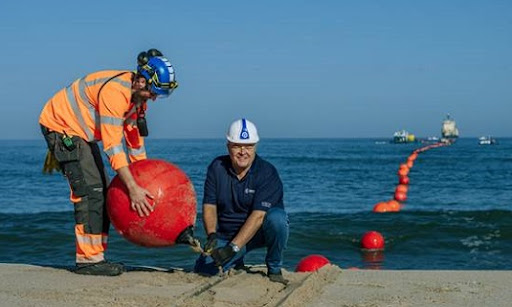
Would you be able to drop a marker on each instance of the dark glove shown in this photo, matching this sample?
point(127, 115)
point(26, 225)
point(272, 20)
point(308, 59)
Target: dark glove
point(222, 255)
point(211, 243)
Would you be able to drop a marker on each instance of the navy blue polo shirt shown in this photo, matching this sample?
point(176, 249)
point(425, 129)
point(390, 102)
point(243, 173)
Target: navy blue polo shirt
point(260, 189)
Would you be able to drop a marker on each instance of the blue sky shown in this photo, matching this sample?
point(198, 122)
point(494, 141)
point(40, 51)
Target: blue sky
point(295, 68)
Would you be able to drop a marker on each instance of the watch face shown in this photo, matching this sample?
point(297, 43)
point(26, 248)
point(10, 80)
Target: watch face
point(235, 247)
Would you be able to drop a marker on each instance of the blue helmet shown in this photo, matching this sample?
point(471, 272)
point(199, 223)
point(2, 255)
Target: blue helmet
point(159, 74)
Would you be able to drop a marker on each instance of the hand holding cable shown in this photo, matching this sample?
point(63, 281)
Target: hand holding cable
point(211, 243)
point(222, 255)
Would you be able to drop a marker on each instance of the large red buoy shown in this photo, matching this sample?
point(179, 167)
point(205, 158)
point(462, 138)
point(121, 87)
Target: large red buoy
point(174, 205)
point(372, 240)
point(311, 263)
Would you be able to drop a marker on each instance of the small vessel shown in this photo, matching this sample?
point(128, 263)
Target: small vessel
point(487, 140)
point(449, 131)
point(403, 136)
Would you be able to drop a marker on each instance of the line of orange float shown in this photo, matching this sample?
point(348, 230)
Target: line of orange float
point(400, 195)
point(373, 240)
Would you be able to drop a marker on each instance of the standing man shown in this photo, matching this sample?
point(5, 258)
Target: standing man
point(102, 106)
point(243, 207)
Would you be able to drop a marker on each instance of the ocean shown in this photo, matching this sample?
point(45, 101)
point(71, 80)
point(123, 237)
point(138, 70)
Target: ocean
point(457, 216)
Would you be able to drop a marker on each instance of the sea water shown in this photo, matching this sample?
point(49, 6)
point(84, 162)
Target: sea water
point(457, 215)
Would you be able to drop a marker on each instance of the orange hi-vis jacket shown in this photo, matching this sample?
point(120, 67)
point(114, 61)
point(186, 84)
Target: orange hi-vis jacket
point(81, 109)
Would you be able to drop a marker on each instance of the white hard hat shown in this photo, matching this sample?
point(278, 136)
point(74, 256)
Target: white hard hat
point(242, 131)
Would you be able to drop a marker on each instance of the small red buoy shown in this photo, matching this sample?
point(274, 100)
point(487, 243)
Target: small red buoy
point(174, 205)
point(400, 196)
point(311, 263)
point(410, 164)
point(372, 240)
point(401, 188)
point(403, 180)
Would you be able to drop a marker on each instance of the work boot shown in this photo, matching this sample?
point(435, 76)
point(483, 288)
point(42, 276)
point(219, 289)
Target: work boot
point(278, 277)
point(102, 268)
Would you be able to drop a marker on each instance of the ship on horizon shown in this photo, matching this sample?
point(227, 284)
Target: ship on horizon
point(449, 131)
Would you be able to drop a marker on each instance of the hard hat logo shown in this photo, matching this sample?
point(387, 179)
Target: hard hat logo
point(244, 135)
point(242, 131)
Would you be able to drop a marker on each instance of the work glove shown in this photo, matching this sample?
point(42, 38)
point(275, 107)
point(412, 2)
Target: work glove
point(50, 163)
point(211, 243)
point(222, 255)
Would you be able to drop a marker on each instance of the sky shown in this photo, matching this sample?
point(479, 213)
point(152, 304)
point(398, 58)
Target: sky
point(297, 69)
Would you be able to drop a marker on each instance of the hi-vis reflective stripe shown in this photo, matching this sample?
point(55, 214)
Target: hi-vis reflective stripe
point(74, 105)
point(109, 120)
point(89, 247)
point(80, 258)
point(114, 150)
point(136, 152)
point(82, 86)
point(92, 111)
point(90, 240)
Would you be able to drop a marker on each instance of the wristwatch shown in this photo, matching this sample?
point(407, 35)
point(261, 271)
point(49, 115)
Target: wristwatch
point(235, 247)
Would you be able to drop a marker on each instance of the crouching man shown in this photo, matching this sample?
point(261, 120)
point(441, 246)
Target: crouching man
point(243, 207)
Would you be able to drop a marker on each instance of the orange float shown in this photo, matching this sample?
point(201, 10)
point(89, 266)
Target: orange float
point(394, 205)
point(403, 172)
point(381, 207)
point(401, 188)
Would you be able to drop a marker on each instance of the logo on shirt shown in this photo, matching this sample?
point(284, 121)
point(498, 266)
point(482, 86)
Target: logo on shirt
point(266, 204)
point(249, 191)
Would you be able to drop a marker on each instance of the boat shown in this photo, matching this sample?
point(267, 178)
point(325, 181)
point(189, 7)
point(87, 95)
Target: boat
point(402, 136)
point(449, 131)
point(487, 140)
